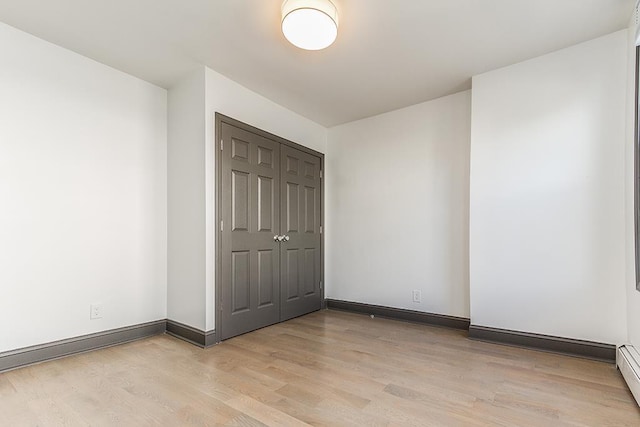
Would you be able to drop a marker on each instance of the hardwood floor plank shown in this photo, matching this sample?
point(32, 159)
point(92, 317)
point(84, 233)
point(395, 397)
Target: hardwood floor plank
point(327, 368)
point(264, 413)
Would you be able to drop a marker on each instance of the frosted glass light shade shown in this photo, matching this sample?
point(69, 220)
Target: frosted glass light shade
point(310, 24)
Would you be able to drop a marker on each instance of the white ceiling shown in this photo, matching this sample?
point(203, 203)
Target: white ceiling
point(389, 53)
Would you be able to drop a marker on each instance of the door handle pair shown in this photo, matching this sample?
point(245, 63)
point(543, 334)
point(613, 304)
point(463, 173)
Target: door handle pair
point(280, 239)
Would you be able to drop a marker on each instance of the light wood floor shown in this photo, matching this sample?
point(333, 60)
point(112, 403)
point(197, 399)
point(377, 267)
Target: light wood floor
point(327, 368)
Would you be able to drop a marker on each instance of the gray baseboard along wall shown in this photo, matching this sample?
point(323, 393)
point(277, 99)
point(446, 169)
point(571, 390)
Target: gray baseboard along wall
point(571, 347)
point(400, 314)
point(40, 353)
point(192, 335)
point(57, 349)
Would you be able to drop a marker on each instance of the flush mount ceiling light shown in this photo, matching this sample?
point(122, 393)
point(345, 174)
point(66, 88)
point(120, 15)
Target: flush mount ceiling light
point(310, 24)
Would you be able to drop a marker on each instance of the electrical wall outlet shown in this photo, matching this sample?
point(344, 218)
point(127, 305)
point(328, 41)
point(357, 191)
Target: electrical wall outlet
point(417, 296)
point(96, 311)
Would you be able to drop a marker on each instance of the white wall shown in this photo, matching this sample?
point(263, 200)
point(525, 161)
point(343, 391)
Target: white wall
point(633, 295)
point(186, 202)
point(547, 226)
point(397, 208)
point(82, 194)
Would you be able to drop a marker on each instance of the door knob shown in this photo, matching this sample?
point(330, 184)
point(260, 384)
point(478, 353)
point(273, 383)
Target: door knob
point(276, 238)
point(286, 238)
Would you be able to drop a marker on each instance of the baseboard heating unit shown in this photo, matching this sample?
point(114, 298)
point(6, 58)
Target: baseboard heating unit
point(628, 361)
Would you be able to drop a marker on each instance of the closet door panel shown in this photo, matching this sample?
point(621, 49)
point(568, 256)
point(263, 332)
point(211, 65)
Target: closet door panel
point(300, 221)
point(250, 289)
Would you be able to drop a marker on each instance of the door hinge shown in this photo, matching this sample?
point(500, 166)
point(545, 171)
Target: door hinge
point(320, 284)
point(221, 225)
point(320, 173)
point(320, 229)
point(221, 145)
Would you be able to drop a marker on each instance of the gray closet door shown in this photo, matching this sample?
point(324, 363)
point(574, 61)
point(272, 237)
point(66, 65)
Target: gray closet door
point(300, 253)
point(250, 291)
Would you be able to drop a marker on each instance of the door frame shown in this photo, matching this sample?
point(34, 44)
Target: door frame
point(219, 120)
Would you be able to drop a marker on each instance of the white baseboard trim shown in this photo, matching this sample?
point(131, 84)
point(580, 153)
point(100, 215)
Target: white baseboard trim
point(628, 361)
